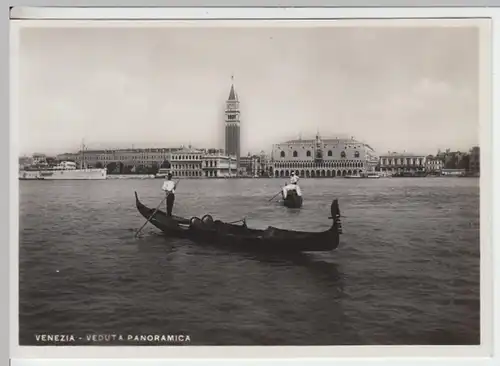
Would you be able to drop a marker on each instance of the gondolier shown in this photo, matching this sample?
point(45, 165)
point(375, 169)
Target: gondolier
point(292, 195)
point(169, 188)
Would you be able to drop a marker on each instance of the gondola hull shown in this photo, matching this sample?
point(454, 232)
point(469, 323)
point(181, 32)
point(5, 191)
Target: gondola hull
point(240, 237)
point(292, 199)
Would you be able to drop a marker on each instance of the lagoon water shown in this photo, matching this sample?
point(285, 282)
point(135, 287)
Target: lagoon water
point(406, 271)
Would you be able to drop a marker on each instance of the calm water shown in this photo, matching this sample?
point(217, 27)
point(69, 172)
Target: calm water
point(406, 271)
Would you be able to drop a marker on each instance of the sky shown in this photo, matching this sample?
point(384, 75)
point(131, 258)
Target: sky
point(410, 89)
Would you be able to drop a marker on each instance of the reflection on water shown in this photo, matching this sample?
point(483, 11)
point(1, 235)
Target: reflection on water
point(406, 271)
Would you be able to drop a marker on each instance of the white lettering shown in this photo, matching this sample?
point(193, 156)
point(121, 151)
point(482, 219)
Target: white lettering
point(157, 338)
point(101, 337)
point(55, 337)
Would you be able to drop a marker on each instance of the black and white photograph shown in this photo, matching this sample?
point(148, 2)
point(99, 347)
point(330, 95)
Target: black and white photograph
point(250, 184)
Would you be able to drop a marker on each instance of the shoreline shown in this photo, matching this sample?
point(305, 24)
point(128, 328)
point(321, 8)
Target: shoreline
point(238, 178)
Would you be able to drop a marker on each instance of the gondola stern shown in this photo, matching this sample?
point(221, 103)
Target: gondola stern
point(334, 208)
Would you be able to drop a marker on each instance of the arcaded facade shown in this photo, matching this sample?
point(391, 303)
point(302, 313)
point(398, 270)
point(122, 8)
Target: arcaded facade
point(322, 158)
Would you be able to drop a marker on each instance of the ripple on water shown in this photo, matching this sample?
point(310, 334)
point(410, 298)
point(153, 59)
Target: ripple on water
point(406, 272)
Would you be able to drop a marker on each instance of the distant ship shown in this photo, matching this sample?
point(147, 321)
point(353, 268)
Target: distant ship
point(65, 170)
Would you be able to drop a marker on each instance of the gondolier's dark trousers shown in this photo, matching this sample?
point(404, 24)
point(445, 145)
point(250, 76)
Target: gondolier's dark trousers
point(170, 203)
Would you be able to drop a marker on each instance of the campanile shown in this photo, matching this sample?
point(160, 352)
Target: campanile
point(232, 122)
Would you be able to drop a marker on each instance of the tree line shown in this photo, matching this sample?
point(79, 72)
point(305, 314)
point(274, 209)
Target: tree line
point(121, 168)
point(457, 161)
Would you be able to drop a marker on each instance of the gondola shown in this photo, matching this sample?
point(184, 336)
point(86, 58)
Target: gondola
point(292, 200)
point(239, 236)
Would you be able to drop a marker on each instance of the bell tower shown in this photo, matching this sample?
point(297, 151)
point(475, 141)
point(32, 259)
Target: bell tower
point(232, 122)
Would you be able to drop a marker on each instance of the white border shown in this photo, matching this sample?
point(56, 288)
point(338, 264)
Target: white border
point(141, 13)
point(303, 13)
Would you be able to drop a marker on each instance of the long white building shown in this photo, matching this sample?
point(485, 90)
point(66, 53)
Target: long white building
point(329, 157)
point(393, 162)
point(186, 162)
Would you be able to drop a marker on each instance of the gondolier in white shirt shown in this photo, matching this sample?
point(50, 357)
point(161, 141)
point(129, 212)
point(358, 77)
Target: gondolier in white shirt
point(294, 179)
point(169, 188)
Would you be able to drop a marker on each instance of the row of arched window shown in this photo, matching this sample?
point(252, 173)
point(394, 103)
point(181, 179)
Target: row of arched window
point(319, 173)
point(186, 157)
point(141, 158)
point(186, 166)
point(402, 161)
point(325, 164)
point(211, 163)
point(187, 173)
point(295, 154)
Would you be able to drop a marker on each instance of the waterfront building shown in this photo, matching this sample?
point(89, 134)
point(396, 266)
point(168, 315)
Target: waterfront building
point(454, 159)
point(254, 165)
point(232, 126)
point(216, 164)
point(69, 157)
point(264, 165)
point(133, 158)
point(330, 157)
point(25, 161)
point(245, 165)
point(250, 165)
point(474, 160)
point(39, 159)
point(393, 163)
point(258, 166)
point(434, 164)
point(186, 162)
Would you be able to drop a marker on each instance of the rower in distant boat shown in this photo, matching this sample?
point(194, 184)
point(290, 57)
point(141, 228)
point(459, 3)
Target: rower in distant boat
point(169, 188)
point(292, 186)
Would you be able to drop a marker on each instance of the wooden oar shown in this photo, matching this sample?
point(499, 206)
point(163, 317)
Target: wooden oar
point(274, 196)
point(156, 210)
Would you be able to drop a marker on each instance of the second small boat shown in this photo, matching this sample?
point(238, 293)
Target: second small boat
point(292, 199)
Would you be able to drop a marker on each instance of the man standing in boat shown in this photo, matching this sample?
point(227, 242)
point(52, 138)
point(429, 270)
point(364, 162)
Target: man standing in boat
point(294, 179)
point(169, 188)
